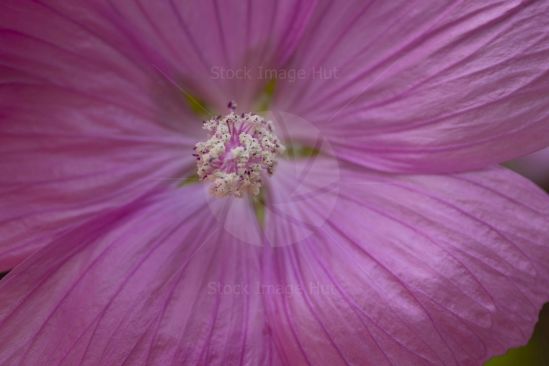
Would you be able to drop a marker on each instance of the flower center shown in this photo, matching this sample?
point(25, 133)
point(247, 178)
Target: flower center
point(239, 148)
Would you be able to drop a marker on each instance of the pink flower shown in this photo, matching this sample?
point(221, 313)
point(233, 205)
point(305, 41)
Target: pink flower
point(386, 234)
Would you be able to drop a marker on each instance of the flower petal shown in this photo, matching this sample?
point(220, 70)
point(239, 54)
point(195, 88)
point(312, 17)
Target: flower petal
point(65, 159)
point(437, 86)
point(83, 127)
point(215, 49)
point(157, 283)
point(73, 47)
point(422, 270)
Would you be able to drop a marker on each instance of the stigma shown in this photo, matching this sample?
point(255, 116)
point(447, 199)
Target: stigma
point(240, 149)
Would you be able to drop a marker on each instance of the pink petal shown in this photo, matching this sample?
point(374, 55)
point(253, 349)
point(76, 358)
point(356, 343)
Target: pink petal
point(213, 49)
point(432, 86)
point(72, 47)
point(410, 270)
point(83, 128)
point(156, 283)
point(66, 159)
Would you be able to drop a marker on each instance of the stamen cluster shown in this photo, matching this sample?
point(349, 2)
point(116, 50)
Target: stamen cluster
point(239, 148)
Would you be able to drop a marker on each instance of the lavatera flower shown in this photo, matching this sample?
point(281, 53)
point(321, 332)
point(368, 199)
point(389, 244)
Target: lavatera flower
point(280, 182)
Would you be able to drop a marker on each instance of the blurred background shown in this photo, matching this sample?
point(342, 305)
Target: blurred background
point(536, 352)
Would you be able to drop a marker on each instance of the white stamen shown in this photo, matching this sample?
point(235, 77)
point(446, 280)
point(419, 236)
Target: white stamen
point(240, 146)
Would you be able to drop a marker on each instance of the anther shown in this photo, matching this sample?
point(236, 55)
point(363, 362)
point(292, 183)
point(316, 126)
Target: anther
point(239, 148)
